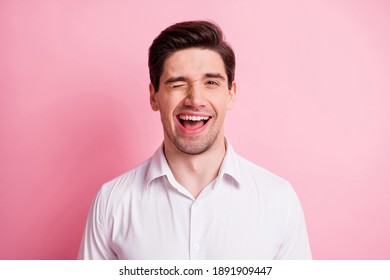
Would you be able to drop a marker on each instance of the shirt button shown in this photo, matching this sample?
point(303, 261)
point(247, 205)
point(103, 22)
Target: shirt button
point(196, 247)
point(196, 203)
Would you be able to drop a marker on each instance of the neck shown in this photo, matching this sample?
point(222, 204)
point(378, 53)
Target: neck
point(195, 172)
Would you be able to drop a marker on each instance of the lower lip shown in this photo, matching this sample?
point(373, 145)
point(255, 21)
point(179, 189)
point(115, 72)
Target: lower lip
point(192, 132)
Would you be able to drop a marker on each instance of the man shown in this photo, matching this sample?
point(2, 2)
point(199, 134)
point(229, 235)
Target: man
point(195, 198)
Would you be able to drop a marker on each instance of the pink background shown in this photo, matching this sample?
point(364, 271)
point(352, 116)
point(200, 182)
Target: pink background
point(313, 106)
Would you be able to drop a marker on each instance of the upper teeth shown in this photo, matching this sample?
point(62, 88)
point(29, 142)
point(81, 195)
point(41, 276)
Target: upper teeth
point(193, 118)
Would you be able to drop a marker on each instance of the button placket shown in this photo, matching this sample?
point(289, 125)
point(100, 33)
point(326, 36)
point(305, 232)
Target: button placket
point(195, 230)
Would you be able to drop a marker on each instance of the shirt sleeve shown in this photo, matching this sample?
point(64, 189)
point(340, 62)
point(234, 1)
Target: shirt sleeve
point(94, 244)
point(296, 242)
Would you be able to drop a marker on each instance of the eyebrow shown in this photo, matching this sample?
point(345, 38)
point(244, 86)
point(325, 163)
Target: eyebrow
point(184, 79)
point(175, 79)
point(214, 75)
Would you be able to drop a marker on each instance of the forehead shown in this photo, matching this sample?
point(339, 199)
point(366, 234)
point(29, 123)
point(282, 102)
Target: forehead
point(193, 62)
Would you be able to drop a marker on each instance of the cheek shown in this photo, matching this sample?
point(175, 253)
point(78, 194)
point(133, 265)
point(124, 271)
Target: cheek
point(169, 105)
point(220, 105)
point(166, 113)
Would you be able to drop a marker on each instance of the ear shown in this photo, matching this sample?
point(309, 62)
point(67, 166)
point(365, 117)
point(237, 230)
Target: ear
point(153, 101)
point(232, 96)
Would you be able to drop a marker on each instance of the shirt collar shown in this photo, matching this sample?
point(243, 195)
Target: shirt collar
point(230, 165)
point(158, 166)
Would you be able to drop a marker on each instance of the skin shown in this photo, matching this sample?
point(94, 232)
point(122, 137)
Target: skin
point(193, 82)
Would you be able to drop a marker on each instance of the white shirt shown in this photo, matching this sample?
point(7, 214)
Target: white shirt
point(245, 213)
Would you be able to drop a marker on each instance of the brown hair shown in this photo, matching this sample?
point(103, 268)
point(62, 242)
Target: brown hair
point(189, 34)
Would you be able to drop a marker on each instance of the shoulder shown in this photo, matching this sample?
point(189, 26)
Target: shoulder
point(255, 173)
point(127, 182)
point(272, 190)
point(265, 183)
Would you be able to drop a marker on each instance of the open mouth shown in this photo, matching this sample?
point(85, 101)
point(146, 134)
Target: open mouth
point(193, 122)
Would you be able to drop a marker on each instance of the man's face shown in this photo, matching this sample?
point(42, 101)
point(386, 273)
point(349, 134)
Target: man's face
point(192, 99)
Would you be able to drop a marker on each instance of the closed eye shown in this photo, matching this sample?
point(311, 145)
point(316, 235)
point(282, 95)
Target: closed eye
point(178, 85)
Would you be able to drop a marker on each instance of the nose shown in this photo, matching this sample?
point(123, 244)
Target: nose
point(195, 96)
